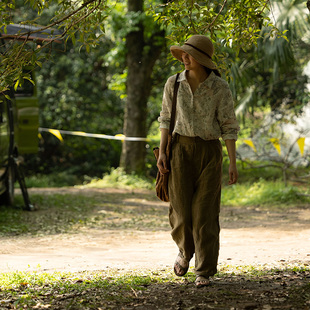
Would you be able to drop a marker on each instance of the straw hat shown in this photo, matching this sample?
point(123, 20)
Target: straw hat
point(199, 47)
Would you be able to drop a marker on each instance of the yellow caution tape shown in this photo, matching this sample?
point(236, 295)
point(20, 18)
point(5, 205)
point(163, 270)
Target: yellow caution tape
point(301, 144)
point(120, 137)
point(275, 142)
point(56, 133)
point(250, 144)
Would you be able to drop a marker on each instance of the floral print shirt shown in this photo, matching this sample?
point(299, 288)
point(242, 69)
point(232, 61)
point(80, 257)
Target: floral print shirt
point(208, 113)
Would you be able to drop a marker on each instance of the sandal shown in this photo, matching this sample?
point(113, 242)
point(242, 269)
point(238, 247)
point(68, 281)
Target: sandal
point(178, 266)
point(202, 281)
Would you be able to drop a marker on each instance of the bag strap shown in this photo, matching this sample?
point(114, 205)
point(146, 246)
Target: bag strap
point(174, 104)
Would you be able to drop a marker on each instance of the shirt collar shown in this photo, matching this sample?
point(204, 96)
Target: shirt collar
point(182, 76)
point(208, 81)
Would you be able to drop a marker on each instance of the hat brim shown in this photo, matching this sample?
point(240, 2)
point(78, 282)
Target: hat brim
point(204, 60)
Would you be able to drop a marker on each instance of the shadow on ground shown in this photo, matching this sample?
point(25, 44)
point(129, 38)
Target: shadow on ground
point(285, 289)
point(62, 210)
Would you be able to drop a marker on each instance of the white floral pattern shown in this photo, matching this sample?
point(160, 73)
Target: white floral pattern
point(208, 113)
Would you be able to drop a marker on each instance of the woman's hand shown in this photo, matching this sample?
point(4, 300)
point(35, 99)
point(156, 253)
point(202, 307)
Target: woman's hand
point(162, 158)
point(162, 163)
point(233, 174)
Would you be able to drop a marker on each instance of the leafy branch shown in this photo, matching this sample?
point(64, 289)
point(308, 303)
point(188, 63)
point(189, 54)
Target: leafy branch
point(41, 29)
point(237, 27)
point(216, 17)
point(283, 162)
point(17, 56)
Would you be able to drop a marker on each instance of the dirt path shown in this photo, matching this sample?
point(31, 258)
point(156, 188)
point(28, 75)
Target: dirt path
point(248, 236)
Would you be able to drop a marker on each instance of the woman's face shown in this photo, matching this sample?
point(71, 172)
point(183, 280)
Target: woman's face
point(189, 62)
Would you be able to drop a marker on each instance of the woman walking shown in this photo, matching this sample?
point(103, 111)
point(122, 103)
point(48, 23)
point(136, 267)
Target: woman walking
point(204, 113)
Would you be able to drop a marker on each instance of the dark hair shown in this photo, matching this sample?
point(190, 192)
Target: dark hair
point(209, 71)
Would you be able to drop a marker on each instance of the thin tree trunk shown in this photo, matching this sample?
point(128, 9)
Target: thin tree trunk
point(140, 65)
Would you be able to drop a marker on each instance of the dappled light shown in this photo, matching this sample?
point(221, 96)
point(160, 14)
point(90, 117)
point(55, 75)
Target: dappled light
point(242, 288)
point(84, 88)
point(121, 239)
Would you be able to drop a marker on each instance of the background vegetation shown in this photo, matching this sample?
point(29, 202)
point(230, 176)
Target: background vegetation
point(82, 85)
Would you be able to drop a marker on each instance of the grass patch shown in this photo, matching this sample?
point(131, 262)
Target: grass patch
point(263, 193)
point(56, 179)
point(76, 290)
point(70, 210)
point(157, 289)
point(76, 209)
point(56, 214)
point(117, 178)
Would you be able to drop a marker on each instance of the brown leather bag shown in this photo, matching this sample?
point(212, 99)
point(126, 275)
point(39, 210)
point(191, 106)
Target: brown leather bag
point(162, 179)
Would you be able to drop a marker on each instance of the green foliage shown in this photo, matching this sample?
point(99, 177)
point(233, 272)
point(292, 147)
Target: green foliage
point(276, 149)
point(82, 24)
point(55, 179)
point(270, 73)
point(33, 285)
point(235, 25)
point(77, 158)
point(82, 81)
point(117, 178)
point(73, 90)
point(85, 91)
point(261, 186)
point(73, 95)
point(250, 173)
point(262, 193)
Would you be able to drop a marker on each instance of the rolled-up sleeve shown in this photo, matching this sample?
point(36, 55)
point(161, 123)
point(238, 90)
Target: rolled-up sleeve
point(226, 116)
point(165, 114)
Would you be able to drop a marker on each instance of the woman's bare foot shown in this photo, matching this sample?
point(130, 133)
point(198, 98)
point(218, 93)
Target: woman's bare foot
point(202, 281)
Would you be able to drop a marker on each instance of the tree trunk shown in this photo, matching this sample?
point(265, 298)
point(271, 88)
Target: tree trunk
point(141, 57)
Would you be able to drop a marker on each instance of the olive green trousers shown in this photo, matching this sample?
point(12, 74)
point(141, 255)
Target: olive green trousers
point(195, 194)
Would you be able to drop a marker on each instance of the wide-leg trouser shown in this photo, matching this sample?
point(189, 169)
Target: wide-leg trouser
point(195, 194)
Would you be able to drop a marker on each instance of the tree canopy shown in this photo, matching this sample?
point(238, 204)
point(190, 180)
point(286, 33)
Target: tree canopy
point(271, 72)
point(97, 54)
point(233, 24)
point(82, 22)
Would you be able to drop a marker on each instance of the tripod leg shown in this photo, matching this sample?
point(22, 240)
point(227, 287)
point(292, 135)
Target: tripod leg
point(21, 180)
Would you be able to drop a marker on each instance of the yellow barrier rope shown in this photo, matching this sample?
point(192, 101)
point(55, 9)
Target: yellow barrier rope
point(58, 133)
